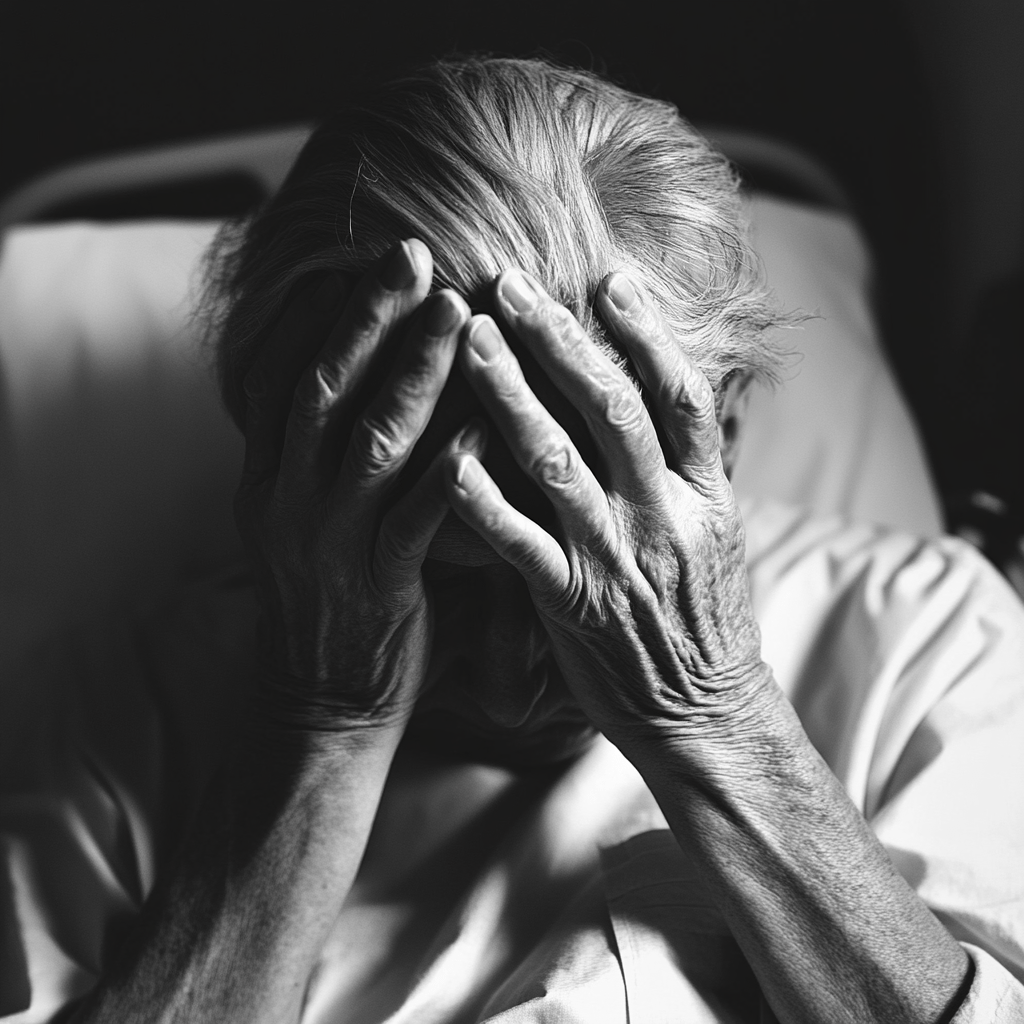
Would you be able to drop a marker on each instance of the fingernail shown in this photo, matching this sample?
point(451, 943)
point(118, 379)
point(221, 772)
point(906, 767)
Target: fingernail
point(444, 315)
point(473, 436)
point(518, 292)
point(468, 474)
point(622, 293)
point(485, 339)
point(328, 293)
point(400, 271)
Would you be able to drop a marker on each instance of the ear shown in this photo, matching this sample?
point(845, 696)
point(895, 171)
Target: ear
point(733, 399)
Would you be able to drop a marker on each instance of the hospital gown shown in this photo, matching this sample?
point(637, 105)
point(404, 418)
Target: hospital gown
point(551, 895)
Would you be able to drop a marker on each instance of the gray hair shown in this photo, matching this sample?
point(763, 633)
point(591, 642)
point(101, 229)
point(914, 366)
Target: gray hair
point(495, 163)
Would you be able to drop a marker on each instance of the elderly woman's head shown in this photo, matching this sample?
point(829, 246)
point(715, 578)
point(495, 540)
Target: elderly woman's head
point(495, 163)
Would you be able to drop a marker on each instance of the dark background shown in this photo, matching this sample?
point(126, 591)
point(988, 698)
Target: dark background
point(853, 83)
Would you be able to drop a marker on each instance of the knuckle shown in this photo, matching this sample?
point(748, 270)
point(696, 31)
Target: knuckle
point(704, 398)
point(648, 325)
point(370, 317)
point(376, 446)
point(328, 379)
point(556, 467)
point(622, 407)
point(506, 378)
point(693, 397)
point(557, 322)
point(318, 390)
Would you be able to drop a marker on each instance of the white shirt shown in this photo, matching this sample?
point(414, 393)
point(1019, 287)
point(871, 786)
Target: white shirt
point(486, 896)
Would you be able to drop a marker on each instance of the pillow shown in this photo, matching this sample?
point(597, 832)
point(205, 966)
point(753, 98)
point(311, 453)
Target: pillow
point(837, 436)
point(117, 463)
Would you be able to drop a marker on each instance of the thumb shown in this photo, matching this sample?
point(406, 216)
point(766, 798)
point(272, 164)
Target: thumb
point(408, 528)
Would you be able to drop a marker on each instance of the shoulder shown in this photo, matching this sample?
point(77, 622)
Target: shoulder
point(878, 637)
point(817, 564)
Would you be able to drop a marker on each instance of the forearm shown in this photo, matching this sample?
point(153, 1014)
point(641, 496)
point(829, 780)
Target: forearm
point(831, 929)
point(234, 931)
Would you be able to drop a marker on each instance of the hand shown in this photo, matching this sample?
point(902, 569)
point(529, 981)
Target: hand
point(346, 624)
point(643, 592)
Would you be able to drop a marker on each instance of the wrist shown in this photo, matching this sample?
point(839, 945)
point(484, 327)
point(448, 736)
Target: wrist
point(319, 710)
point(292, 763)
point(743, 729)
point(807, 890)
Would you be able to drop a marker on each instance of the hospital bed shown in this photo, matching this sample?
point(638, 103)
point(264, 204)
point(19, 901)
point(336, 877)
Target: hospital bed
point(117, 463)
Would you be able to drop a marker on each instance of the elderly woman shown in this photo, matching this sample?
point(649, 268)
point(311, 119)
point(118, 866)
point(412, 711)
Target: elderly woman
point(513, 750)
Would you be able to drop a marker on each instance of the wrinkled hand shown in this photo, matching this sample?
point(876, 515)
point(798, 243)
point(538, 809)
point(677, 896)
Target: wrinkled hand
point(346, 624)
point(644, 593)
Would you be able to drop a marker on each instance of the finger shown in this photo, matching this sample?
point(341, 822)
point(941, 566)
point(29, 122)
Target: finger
point(270, 382)
point(537, 556)
point(408, 529)
point(683, 399)
point(538, 442)
point(606, 397)
point(380, 303)
point(385, 435)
